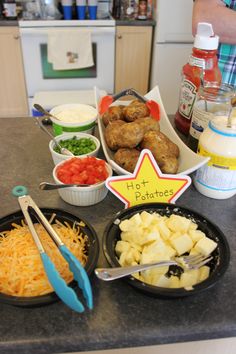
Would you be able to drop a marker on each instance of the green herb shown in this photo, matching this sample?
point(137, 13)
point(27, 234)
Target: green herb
point(81, 146)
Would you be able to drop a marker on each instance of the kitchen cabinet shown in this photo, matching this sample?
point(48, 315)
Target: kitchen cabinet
point(13, 98)
point(133, 55)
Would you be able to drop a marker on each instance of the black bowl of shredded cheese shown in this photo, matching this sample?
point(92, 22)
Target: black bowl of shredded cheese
point(23, 281)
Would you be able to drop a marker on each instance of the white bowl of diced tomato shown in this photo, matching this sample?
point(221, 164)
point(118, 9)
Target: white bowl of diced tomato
point(83, 170)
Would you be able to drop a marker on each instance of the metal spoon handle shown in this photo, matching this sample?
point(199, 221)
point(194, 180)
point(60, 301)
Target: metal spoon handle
point(50, 186)
point(43, 111)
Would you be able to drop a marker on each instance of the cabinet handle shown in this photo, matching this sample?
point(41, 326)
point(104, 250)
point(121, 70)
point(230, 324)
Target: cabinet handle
point(119, 36)
point(16, 36)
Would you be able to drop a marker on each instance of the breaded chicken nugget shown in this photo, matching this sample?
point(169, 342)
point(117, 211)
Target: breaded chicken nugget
point(127, 158)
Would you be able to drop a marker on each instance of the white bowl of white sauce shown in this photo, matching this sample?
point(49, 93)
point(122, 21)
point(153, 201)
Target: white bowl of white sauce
point(73, 117)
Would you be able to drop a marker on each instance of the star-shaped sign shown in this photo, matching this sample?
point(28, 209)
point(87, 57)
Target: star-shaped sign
point(148, 184)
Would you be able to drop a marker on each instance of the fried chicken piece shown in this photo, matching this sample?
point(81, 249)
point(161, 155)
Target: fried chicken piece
point(127, 158)
point(113, 113)
point(134, 110)
point(112, 134)
point(165, 152)
point(148, 124)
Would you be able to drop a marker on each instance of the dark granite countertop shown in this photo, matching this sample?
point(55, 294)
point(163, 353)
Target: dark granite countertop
point(122, 316)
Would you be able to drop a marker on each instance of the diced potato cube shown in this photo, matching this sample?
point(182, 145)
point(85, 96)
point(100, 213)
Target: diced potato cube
point(151, 276)
point(205, 246)
point(174, 282)
point(189, 278)
point(147, 218)
point(196, 235)
point(182, 244)
point(136, 219)
point(204, 273)
point(149, 236)
point(164, 231)
point(178, 223)
point(129, 257)
point(163, 282)
point(121, 246)
point(193, 226)
point(125, 225)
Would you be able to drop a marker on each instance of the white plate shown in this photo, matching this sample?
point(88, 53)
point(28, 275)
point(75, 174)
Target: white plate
point(189, 161)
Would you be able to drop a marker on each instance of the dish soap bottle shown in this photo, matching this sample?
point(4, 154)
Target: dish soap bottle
point(202, 67)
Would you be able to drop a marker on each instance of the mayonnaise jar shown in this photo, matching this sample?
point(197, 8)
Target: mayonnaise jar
point(217, 178)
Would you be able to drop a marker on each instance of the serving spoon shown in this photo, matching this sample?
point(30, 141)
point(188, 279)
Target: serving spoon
point(43, 111)
point(63, 150)
point(50, 186)
point(233, 105)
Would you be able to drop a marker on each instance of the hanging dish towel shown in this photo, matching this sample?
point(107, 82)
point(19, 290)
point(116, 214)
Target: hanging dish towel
point(70, 49)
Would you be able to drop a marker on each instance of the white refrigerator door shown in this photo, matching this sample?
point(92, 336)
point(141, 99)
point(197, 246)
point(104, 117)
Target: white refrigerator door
point(174, 21)
point(168, 60)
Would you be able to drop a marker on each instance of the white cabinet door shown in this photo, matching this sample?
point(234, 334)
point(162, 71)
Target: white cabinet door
point(167, 63)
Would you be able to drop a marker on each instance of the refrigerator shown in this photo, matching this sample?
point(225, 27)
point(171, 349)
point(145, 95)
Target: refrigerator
point(172, 45)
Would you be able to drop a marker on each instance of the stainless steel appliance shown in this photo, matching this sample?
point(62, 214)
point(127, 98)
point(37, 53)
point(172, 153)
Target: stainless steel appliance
point(39, 73)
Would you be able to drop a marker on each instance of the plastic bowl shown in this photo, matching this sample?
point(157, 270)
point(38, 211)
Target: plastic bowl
point(63, 216)
point(218, 264)
point(74, 117)
point(59, 157)
point(82, 196)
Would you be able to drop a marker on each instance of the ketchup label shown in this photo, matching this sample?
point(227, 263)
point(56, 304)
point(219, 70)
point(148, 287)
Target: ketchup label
point(188, 93)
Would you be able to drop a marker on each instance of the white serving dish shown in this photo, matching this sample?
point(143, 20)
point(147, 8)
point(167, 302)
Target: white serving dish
point(83, 196)
point(59, 157)
point(83, 120)
point(189, 161)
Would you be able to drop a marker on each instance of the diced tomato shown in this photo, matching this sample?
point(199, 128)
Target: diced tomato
point(88, 170)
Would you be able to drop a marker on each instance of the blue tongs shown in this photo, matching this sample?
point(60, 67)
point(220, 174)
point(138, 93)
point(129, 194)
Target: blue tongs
point(64, 292)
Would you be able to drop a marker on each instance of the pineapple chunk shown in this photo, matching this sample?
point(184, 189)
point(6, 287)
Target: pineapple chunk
point(174, 282)
point(164, 231)
point(147, 218)
point(163, 282)
point(182, 244)
point(205, 246)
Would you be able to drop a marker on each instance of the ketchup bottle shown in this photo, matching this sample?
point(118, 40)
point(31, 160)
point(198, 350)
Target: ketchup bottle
point(201, 68)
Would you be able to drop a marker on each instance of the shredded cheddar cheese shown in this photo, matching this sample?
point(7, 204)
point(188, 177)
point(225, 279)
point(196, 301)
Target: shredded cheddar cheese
point(21, 269)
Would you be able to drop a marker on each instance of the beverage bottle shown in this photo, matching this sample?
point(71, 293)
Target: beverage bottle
point(142, 10)
point(202, 67)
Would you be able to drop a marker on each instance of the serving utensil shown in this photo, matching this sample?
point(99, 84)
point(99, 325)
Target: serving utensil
point(233, 105)
point(63, 150)
point(64, 292)
point(185, 262)
point(50, 186)
point(106, 101)
point(44, 111)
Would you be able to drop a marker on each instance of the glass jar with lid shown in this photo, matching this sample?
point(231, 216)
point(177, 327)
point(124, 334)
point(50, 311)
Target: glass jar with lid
point(212, 100)
point(217, 178)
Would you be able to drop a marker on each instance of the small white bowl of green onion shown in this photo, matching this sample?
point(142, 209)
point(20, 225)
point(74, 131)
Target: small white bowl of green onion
point(80, 144)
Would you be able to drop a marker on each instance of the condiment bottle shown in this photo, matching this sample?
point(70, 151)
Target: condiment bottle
point(217, 178)
point(202, 67)
point(212, 100)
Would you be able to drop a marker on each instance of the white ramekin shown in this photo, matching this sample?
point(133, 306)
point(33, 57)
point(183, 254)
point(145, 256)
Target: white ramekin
point(83, 196)
point(59, 157)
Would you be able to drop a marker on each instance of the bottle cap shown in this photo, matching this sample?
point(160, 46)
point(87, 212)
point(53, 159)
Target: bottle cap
point(205, 37)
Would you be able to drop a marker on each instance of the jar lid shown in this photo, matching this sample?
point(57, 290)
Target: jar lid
point(205, 37)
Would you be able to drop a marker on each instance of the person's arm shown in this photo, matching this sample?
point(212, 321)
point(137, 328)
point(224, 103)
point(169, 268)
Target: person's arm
point(222, 19)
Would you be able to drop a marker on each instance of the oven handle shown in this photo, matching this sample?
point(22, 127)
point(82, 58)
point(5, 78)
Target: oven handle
point(43, 31)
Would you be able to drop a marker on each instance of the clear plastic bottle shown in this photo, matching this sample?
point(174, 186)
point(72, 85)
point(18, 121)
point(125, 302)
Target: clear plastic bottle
point(212, 100)
point(217, 178)
point(202, 67)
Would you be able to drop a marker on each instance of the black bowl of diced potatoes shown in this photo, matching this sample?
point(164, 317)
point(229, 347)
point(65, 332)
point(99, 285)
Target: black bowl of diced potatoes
point(154, 232)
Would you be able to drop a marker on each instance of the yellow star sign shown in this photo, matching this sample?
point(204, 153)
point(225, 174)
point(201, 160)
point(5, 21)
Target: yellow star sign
point(148, 184)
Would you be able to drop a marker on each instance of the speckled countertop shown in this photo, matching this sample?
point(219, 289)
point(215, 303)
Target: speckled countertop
point(122, 316)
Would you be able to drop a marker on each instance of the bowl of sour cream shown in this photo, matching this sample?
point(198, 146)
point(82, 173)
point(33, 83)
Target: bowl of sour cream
point(73, 117)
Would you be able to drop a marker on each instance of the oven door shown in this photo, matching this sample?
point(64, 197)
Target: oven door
point(40, 76)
